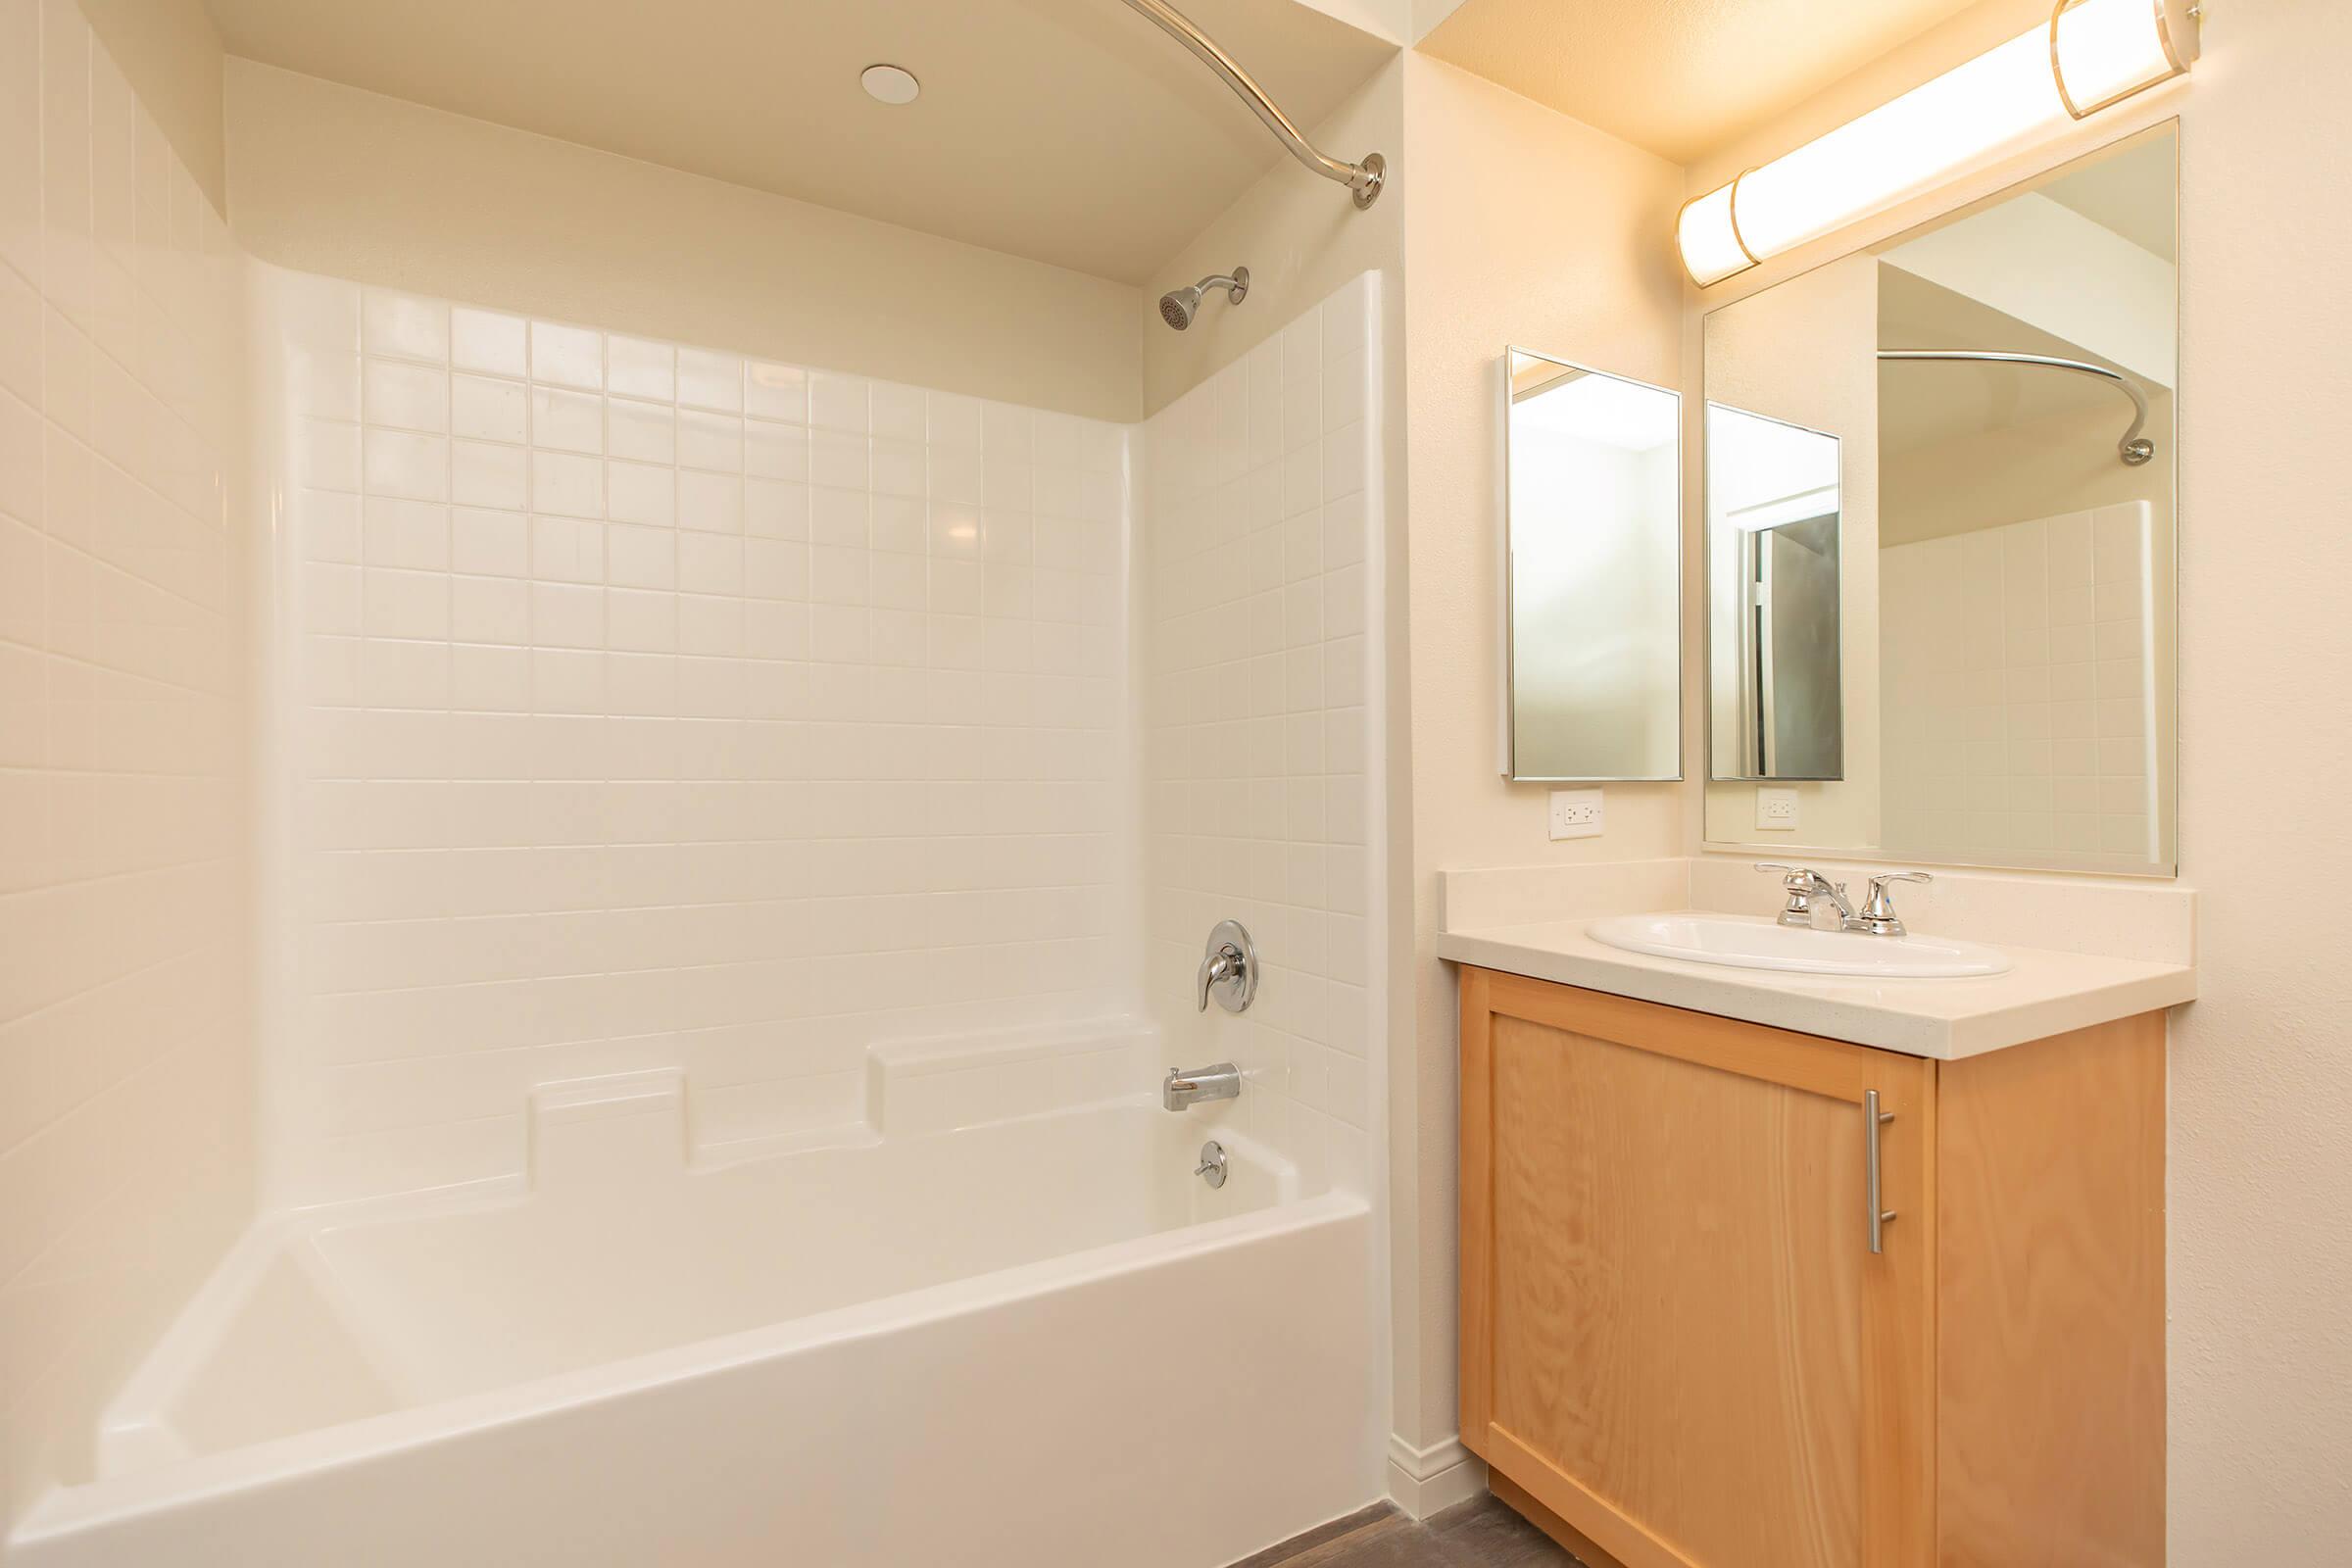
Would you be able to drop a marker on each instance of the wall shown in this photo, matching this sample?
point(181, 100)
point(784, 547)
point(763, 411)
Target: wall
point(126, 1064)
point(1258, 594)
point(169, 52)
point(333, 181)
point(1303, 239)
point(1528, 229)
point(2261, 1091)
point(649, 706)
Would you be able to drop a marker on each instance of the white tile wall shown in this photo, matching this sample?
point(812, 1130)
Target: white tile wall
point(654, 707)
point(1257, 581)
point(125, 1058)
point(2019, 709)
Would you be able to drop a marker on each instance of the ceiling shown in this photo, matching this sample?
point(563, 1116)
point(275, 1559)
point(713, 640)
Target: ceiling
point(1069, 132)
point(1680, 77)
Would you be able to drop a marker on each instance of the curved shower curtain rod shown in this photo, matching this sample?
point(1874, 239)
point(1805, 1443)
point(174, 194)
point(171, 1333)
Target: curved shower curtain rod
point(1364, 178)
point(2135, 449)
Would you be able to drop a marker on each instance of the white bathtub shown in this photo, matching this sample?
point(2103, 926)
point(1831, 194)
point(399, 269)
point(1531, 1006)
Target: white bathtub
point(1035, 1342)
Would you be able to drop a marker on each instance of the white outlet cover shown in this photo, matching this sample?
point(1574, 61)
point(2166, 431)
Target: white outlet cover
point(1775, 810)
point(1576, 814)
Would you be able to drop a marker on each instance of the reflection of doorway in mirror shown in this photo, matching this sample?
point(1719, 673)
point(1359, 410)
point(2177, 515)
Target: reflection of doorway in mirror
point(2019, 709)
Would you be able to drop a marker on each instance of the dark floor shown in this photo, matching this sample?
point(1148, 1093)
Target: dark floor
point(1478, 1533)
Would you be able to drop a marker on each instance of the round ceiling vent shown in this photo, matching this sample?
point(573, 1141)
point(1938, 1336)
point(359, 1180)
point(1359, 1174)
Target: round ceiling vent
point(890, 84)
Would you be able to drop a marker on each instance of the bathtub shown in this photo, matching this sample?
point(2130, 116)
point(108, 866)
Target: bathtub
point(1035, 1340)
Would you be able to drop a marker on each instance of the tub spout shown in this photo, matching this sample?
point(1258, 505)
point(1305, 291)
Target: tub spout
point(1184, 1087)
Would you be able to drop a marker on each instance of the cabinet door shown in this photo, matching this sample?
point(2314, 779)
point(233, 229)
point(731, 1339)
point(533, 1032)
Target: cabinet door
point(1675, 1334)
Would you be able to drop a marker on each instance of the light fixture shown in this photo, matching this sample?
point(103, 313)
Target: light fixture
point(890, 84)
point(2092, 54)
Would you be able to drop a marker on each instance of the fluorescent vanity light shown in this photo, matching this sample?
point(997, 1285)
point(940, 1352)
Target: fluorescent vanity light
point(2091, 54)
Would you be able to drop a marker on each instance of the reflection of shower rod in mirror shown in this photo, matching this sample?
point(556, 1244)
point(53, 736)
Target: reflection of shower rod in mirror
point(2135, 447)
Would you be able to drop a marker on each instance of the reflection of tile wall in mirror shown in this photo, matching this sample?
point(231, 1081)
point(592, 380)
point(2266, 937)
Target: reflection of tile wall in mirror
point(2018, 709)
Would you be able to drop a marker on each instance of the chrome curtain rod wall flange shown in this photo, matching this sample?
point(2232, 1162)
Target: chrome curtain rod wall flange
point(2135, 449)
point(1364, 179)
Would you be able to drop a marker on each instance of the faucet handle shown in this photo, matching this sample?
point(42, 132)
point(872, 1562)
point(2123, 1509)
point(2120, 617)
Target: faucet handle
point(1878, 914)
point(1228, 969)
point(1878, 888)
point(1802, 884)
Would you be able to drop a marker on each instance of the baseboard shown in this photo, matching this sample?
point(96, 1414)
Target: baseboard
point(1427, 1481)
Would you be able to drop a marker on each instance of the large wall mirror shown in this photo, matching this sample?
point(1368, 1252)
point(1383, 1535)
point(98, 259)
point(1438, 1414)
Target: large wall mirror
point(1592, 510)
point(1940, 536)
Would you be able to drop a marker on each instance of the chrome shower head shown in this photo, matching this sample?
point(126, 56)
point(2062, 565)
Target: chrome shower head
point(1178, 307)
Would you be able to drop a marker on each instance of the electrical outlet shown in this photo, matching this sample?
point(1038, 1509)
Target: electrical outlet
point(1775, 810)
point(1576, 814)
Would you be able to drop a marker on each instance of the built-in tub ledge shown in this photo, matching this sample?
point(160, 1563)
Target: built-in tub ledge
point(2081, 950)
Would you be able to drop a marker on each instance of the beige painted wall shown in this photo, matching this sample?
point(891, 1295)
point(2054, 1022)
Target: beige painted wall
point(1530, 228)
point(330, 179)
point(2259, 1269)
point(169, 52)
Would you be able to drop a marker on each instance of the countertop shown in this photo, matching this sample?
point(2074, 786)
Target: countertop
point(2044, 993)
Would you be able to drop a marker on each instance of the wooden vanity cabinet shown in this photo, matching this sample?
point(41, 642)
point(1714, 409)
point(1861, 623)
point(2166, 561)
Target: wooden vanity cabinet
point(1680, 1350)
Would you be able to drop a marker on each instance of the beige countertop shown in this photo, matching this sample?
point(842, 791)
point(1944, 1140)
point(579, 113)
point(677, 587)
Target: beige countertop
point(2044, 993)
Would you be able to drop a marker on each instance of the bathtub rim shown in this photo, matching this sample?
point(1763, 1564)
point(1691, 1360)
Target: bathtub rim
point(65, 1509)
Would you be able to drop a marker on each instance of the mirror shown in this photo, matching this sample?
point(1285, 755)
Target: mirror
point(1773, 541)
point(1592, 508)
point(1939, 531)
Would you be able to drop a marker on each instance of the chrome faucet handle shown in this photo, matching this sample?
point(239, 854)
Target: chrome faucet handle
point(1878, 917)
point(1803, 885)
point(1228, 969)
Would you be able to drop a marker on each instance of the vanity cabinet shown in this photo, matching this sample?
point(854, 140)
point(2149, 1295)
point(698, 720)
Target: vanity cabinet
point(1686, 1343)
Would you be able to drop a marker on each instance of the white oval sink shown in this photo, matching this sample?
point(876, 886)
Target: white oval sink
point(1761, 944)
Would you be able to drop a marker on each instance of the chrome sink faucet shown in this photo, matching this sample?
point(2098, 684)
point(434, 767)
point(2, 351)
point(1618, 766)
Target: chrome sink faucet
point(1803, 884)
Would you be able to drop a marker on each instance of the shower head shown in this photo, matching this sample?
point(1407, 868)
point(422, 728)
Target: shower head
point(1178, 307)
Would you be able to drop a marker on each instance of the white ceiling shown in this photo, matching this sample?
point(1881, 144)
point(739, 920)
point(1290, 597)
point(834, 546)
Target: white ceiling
point(1680, 77)
point(1068, 131)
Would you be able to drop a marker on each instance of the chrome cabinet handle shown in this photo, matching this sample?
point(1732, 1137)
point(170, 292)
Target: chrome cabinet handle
point(1872, 1118)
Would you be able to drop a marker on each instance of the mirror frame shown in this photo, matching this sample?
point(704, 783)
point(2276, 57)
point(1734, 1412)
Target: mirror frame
point(1508, 685)
point(2168, 782)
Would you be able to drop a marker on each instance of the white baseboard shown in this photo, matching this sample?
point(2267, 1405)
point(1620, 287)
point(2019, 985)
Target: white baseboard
point(1427, 1481)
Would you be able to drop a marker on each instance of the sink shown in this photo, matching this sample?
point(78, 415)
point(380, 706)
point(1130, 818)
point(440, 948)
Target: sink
point(1753, 943)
